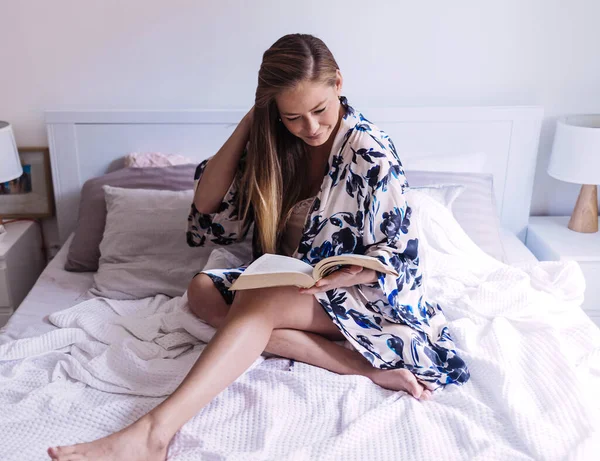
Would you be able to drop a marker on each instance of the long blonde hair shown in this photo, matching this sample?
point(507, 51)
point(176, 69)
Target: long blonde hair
point(269, 186)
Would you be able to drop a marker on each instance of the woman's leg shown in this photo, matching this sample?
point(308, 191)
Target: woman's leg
point(313, 348)
point(251, 319)
point(240, 340)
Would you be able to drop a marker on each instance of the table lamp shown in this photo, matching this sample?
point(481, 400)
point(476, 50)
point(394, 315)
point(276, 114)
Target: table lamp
point(576, 158)
point(10, 164)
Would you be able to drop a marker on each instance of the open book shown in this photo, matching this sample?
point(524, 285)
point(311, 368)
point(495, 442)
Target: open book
point(274, 270)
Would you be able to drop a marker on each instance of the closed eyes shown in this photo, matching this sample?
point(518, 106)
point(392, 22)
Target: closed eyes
point(315, 112)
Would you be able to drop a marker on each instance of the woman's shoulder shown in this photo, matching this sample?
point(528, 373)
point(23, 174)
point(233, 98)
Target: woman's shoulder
point(367, 146)
point(371, 152)
point(363, 137)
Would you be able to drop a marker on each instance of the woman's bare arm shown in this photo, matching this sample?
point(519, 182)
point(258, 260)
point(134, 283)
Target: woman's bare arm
point(221, 168)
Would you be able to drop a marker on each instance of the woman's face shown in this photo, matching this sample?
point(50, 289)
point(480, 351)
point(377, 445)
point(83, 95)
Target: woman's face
point(311, 110)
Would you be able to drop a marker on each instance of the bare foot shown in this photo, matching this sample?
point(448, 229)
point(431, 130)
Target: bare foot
point(400, 380)
point(138, 442)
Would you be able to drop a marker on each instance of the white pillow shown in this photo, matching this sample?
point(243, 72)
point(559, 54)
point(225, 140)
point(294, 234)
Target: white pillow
point(144, 250)
point(474, 209)
point(445, 194)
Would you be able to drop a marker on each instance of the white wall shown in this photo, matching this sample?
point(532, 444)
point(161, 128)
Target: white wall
point(139, 54)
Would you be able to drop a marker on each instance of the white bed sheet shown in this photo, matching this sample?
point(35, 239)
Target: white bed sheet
point(508, 410)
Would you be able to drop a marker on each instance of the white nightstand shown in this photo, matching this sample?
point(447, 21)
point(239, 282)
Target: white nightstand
point(21, 263)
point(549, 239)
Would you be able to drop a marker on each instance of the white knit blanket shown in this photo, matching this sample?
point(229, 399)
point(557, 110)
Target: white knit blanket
point(533, 354)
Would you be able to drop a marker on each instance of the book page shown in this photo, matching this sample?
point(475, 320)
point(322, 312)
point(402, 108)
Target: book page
point(274, 264)
point(250, 281)
point(275, 270)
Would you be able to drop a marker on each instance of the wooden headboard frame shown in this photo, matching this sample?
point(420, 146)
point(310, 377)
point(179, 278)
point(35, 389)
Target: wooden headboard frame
point(86, 144)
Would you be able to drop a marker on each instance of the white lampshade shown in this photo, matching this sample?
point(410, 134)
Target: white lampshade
point(576, 150)
point(10, 164)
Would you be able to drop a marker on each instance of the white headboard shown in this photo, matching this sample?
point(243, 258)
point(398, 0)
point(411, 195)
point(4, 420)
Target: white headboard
point(85, 144)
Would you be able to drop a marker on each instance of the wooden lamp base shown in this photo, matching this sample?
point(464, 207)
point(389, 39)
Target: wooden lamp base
point(585, 215)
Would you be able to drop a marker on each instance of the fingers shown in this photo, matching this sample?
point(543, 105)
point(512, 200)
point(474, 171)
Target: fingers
point(343, 277)
point(352, 269)
point(312, 290)
point(326, 283)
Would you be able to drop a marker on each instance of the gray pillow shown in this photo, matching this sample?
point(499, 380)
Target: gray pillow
point(84, 251)
point(144, 251)
point(474, 208)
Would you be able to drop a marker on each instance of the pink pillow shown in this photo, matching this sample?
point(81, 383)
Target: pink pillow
point(150, 159)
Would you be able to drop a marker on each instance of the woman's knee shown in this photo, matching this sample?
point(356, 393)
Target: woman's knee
point(284, 307)
point(205, 301)
point(263, 299)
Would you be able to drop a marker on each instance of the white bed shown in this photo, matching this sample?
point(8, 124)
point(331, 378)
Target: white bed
point(55, 287)
point(268, 410)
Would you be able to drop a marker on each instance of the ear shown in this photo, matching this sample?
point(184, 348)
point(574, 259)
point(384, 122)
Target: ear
point(339, 82)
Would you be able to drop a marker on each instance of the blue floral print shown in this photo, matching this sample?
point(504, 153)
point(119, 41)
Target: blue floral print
point(360, 208)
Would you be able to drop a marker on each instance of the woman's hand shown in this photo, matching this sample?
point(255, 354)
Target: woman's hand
point(346, 276)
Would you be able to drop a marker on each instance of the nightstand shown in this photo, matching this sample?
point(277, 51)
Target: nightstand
point(21, 263)
point(549, 239)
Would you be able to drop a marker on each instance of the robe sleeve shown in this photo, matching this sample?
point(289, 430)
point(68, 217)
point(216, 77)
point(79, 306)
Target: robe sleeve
point(222, 227)
point(388, 235)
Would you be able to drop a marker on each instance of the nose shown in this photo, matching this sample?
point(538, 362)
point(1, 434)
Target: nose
point(311, 126)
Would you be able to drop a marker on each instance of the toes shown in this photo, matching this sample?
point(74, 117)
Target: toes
point(67, 453)
point(416, 390)
point(426, 395)
point(411, 385)
point(60, 452)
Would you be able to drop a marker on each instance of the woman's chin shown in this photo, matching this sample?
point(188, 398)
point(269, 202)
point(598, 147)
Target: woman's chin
point(314, 142)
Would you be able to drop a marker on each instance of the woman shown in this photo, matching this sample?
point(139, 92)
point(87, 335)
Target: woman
point(316, 179)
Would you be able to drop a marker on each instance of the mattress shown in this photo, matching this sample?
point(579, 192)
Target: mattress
point(55, 289)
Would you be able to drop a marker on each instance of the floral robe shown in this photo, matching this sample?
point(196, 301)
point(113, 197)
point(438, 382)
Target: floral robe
point(360, 208)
